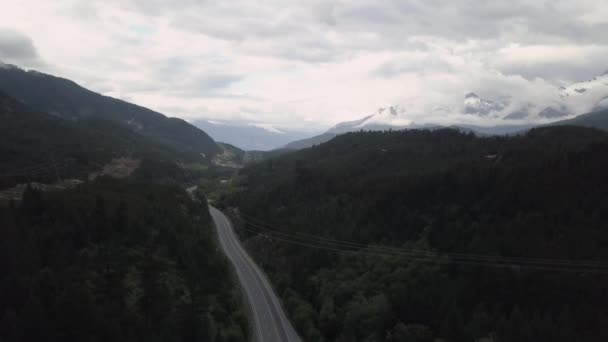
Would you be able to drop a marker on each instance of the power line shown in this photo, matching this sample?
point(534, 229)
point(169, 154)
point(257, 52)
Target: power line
point(438, 259)
point(456, 258)
point(463, 255)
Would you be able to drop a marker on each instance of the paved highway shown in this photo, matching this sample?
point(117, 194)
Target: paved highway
point(269, 322)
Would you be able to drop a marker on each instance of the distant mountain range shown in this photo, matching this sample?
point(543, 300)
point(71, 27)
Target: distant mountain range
point(593, 93)
point(66, 99)
point(597, 119)
point(249, 137)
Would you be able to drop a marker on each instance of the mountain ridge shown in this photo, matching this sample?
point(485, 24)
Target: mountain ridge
point(502, 108)
point(596, 119)
point(67, 99)
point(247, 136)
point(37, 146)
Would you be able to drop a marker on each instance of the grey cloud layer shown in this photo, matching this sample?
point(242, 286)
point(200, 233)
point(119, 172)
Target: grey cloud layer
point(316, 31)
point(391, 21)
point(255, 59)
point(17, 48)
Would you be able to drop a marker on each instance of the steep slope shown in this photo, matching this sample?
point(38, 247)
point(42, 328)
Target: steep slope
point(597, 120)
point(37, 146)
point(66, 99)
point(129, 258)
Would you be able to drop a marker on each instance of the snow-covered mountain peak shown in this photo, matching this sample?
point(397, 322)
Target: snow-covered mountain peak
point(549, 104)
point(573, 89)
point(390, 111)
point(471, 99)
point(385, 116)
point(473, 104)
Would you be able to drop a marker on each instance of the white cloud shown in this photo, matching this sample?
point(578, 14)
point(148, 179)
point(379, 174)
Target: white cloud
point(311, 63)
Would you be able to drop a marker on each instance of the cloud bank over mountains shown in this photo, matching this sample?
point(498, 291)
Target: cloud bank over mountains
point(307, 64)
point(17, 48)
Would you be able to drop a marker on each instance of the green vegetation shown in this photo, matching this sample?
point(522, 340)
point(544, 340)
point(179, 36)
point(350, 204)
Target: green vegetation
point(68, 100)
point(310, 142)
point(542, 194)
point(230, 155)
point(114, 261)
point(257, 156)
point(131, 259)
point(217, 183)
point(38, 147)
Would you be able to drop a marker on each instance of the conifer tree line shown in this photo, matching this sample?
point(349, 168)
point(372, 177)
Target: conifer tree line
point(538, 195)
point(114, 260)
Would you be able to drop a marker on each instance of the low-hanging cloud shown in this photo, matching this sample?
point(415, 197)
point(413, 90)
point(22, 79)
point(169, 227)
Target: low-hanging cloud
point(17, 48)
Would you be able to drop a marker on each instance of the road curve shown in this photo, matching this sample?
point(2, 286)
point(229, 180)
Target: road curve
point(269, 321)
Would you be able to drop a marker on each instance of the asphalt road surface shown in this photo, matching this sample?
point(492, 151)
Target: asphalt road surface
point(269, 321)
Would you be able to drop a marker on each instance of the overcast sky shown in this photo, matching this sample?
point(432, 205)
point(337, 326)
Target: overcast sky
point(307, 63)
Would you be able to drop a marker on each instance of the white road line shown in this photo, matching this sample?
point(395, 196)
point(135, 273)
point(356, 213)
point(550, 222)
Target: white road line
point(255, 284)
